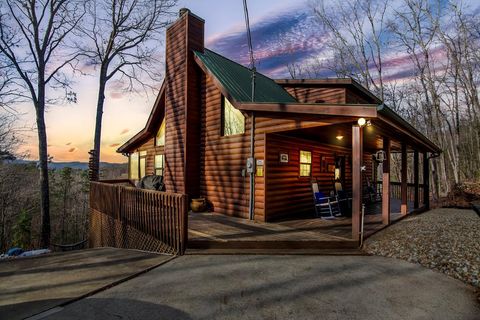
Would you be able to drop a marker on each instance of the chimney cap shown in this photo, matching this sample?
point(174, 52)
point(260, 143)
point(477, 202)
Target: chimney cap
point(183, 11)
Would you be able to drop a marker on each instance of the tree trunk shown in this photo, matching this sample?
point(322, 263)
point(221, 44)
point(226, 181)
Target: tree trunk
point(98, 121)
point(43, 165)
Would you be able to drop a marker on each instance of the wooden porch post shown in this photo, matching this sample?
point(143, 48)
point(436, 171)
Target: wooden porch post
point(357, 153)
point(404, 203)
point(416, 199)
point(426, 181)
point(386, 182)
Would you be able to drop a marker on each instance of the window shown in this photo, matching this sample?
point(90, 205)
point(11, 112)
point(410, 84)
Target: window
point(159, 164)
point(305, 163)
point(142, 164)
point(160, 138)
point(137, 165)
point(133, 168)
point(233, 119)
point(339, 168)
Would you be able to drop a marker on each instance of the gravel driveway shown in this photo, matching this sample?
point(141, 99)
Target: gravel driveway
point(447, 240)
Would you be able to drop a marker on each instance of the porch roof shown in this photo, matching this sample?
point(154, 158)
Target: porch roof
point(391, 122)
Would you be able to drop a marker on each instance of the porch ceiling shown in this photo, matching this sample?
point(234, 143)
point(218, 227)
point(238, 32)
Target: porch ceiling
point(372, 140)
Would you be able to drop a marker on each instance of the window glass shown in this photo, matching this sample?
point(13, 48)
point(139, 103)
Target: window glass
point(142, 164)
point(143, 167)
point(133, 166)
point(160, 138)
point(159, 164)
point(305, 163)
point(233, 119)
point(338, 175)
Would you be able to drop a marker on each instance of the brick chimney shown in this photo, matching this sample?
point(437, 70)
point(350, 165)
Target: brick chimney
point(182, 105)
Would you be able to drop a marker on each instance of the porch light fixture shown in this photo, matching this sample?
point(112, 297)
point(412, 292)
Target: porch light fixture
point(339, 137)
point(361, 122)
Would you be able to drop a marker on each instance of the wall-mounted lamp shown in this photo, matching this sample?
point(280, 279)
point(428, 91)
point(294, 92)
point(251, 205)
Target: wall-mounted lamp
point(361, 122)
point(339, 137)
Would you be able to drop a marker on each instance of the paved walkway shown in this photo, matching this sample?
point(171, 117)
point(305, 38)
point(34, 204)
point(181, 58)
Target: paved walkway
point(282, 287)
point(32, 285)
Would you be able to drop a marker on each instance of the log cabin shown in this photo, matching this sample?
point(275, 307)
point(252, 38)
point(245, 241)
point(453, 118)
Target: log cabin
point(205, 126)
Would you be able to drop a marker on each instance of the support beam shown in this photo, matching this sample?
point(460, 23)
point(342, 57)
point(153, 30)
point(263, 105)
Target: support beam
point(404, 204)
point(416, 200)
point(357, 154)
point(386, 182)
point(426, 181)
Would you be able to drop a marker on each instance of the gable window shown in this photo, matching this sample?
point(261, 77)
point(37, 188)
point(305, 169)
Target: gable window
point(305, 163)
point(159, 164)
point(233, 119)
point(160, 138)
point(133, 166)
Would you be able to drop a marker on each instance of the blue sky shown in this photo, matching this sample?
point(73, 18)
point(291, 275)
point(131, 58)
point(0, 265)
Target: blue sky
point(282, 31)
point(70, 127)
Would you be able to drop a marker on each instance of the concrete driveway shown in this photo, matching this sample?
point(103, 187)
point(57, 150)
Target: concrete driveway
point(282, 287)
point(29, 286)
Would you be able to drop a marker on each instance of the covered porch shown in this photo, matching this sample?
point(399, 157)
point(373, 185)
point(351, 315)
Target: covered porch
point(360, 154)
point(306, 232)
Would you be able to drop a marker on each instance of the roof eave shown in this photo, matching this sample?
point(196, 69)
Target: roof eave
point(385, 111)
point(146, 132)
point(347, 110)
point(328, 82)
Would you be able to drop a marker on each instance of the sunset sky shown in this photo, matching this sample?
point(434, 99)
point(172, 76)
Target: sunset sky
point(282, 31)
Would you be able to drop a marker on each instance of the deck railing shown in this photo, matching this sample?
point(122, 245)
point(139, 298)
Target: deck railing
point(396, 191)
point(127, 217)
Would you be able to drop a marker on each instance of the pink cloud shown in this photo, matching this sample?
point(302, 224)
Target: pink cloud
point(116, 95)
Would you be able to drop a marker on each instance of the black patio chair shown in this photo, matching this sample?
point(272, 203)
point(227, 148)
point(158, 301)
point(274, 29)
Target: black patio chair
point(344, 199)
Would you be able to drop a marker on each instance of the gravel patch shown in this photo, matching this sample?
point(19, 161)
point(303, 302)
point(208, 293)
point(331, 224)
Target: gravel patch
point(447, 240)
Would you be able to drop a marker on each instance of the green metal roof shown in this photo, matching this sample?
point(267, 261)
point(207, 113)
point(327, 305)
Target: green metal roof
point(237, 80)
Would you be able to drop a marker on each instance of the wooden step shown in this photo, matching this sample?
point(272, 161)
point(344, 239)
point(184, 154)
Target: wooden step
point(268, 245)
point(325, 252)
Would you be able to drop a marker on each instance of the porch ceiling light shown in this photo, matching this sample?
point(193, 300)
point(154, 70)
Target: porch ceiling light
point(339, 137)
point(361, 122)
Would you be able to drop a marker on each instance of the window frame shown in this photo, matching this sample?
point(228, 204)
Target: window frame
point(223, 119)
point(142, 155)
point(155, 168)
point(130, 166)
point(164, 125)
point(300, 163)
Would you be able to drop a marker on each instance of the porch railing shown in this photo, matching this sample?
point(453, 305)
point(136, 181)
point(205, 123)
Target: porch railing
point(127, 217)
point(396, 191)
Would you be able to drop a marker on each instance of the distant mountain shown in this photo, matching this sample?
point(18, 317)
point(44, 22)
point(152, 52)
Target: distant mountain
point(74, 164)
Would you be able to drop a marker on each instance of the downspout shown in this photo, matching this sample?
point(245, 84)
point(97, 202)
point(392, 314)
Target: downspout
point(251, 206)
point(251, 159)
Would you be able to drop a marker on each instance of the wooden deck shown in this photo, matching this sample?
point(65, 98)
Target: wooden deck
point(216, 231)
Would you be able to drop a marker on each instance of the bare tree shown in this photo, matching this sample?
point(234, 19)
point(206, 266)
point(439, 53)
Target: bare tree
point(122, 42)
point(33, 37)
point(9, 140)
point(357, 38)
